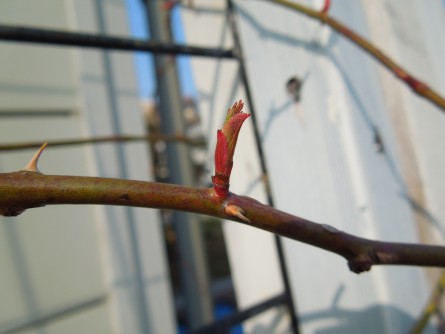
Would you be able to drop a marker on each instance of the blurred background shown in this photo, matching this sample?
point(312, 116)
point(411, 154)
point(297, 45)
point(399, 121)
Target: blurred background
point(334, 138)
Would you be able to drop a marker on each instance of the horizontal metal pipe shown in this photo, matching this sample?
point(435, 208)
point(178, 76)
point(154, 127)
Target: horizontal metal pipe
point(65, 38)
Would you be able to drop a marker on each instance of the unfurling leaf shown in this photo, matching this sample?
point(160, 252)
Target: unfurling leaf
point(225, 148)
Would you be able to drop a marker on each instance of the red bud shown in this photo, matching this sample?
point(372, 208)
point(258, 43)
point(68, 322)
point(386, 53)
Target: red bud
point(225, 148)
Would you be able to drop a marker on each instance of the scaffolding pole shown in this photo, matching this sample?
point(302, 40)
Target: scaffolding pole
point(193, 268)
point(65, 38)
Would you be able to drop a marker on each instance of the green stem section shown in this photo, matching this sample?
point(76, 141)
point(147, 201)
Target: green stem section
point(416, 85)
point(23, 190)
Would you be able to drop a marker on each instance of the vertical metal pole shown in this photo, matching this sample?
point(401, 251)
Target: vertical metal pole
point(245, 80)
point(194, 274)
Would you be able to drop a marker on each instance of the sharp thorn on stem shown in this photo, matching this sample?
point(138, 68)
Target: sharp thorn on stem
point(236, 211)
point(32, 164)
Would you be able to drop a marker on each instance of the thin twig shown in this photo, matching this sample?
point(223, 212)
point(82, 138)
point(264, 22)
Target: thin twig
point(416, 85)
point(431, 307)
point(104, 139)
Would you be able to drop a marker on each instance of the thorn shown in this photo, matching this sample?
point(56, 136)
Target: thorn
point(236, 211)
point(32, 164)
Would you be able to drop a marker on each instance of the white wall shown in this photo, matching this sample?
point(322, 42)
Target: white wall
point(321, 151)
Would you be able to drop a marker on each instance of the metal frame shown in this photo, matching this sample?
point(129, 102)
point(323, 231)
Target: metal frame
point(64, 38)
point(223, 325)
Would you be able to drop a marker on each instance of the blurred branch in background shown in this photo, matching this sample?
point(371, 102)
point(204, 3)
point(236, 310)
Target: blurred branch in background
point(431, 307)
point(178, 138)
point(416, 85)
